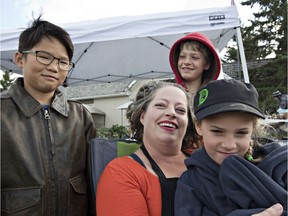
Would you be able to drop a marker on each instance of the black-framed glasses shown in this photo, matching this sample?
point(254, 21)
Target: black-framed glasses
point(46, 59)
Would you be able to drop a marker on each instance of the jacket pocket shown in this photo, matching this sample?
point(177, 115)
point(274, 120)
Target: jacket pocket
point(78, 196)
point(24, 201)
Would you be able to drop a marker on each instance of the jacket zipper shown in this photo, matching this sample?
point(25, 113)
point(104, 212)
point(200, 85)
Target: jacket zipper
point(53, 176)
point(46, 114)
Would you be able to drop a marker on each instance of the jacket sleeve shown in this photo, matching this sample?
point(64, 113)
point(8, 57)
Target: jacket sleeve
point(186, 201)
point(248, 186)
point(246, 212)
point(275, 165)
point(90, 133)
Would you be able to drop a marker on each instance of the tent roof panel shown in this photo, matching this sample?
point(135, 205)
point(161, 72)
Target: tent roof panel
point(131, 47)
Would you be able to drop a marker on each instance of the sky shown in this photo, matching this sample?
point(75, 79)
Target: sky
point(17, 13)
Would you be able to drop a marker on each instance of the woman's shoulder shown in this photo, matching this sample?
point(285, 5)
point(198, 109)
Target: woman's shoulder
point(124, 161)
point(126, 165)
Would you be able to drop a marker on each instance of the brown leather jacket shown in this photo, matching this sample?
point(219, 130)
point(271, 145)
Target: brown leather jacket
point(45, 159)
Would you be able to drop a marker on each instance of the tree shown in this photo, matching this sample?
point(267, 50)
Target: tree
point(268, 79)
point(268, 31)
point(266, 36)
point(6, 81)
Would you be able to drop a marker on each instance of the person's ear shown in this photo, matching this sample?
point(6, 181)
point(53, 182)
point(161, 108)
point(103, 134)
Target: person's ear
point(207, 66)
point(198, 128)
point(142, 116)
point(18, 58)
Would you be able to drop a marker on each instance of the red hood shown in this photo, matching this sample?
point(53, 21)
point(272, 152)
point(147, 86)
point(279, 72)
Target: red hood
point(215, 65)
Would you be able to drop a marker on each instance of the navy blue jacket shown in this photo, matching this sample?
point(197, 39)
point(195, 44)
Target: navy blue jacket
point(237, 187)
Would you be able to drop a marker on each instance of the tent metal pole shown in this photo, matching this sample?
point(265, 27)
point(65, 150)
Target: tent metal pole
point(242, 55)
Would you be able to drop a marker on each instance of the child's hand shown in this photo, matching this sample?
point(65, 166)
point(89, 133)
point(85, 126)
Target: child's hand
point(275, 210)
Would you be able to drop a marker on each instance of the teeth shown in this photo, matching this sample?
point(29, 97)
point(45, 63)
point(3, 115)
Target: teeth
point(168, 125)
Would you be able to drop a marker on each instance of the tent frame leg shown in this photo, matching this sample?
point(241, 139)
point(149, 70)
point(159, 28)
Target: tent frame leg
point(242, 55)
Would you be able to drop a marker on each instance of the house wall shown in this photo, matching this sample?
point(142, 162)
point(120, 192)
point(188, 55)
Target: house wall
point(99, 120)
point(113, 115)
point(109, 104)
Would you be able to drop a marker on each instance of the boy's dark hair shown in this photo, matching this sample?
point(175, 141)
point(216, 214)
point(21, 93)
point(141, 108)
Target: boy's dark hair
point(40, 29)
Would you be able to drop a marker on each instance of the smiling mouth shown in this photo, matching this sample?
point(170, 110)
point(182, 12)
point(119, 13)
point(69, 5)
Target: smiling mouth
point(169, 125)
point(225, 153)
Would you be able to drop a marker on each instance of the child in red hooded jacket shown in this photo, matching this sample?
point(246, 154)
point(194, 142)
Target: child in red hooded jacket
point(194, 61)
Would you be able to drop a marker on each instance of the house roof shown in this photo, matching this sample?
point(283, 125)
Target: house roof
point(98, 90)
point(230, 70)
point(93, 109)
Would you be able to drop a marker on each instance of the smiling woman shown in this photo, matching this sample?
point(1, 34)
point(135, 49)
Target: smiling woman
point(161, 121)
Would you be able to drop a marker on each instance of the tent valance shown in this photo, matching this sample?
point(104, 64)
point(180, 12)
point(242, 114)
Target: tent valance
point(132, 47)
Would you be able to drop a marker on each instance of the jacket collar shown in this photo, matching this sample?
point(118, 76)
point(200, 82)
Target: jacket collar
point(29, 106)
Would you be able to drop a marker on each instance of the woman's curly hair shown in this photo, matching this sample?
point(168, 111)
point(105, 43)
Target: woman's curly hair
point(143, 98)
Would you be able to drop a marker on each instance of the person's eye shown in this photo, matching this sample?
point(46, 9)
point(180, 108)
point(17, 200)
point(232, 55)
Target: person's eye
point(242, 133)
point(159, 105)
point(64, 63)
point(181, 110)
point(215, 131)
point(44, 56)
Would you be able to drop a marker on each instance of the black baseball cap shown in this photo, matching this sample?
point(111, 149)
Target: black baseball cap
point(231, 95)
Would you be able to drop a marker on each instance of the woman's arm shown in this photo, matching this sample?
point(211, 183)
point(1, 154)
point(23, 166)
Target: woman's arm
point(123, 191)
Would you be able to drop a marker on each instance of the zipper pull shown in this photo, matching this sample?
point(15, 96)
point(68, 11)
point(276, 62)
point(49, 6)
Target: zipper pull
point(46, 112)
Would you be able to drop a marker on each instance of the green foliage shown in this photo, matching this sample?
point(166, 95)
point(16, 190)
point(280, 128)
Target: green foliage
point(231, 54)
point(268, 30)
point(267, 33)
point(6, 81)
point(268, 79)
point(115, 132)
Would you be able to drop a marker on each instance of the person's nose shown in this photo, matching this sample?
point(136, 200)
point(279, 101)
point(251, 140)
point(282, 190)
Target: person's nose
point(228, 142)
point(171, 112)
point(187, 61)
point(54, 65)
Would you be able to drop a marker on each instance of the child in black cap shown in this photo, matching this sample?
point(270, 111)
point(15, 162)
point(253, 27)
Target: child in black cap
point(231, 174)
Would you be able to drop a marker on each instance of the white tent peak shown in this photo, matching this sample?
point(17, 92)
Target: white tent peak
point(132, 47)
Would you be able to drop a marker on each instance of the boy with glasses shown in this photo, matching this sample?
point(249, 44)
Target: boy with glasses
point(45, 163)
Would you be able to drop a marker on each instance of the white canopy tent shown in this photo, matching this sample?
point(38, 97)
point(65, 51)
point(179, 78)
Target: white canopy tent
point(134, 47)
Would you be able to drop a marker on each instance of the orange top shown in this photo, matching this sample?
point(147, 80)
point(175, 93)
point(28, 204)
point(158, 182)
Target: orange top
point(127, 188)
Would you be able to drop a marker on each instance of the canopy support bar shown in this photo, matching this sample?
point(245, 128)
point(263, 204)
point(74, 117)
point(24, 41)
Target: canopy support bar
point(242, 55)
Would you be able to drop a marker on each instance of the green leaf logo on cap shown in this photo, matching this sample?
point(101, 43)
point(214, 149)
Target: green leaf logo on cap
point(203, 95)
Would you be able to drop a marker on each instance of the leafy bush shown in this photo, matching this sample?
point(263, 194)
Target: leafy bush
point(115, 132)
